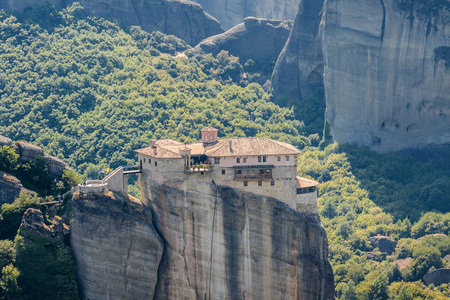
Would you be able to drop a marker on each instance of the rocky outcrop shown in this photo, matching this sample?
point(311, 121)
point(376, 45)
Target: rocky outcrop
point(116, 247)
point(257, 39)
point(197, 241)
point(298, 72)
point(10, 188)
point(385, 76)
point(437, 277)
point(181, 18)
point(33, 223)
point(232, 12)
point(384, 243)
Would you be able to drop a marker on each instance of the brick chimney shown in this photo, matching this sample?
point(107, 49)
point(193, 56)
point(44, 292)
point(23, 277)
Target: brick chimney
point(209, 135)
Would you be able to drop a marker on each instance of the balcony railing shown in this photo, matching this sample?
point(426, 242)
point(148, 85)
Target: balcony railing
point(253, 177)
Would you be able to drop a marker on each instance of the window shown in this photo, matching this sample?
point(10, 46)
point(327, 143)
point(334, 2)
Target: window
point(264, 158)
point(272, 183)
point(216, 160)
point(245, 183)
point(223, 172)
point(144, 159)
point(259, 183)
point(238, 160)
point(244, 160)
point(278, 158)
point(149, 161)
point(259, 158)
point(287, 157)
point(239, 171)
point(156, 163)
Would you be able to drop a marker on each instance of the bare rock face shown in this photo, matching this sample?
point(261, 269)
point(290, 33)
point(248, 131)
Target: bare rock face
point(437, 277)
point(10, 188)
point(299, 68)
point(232, 12)
point(33, 223)
point(385, 65)
point(184, 19)
point(384, 243)
point(257, 39)
point(116, 247)
point(221, 243)
point(195, 240)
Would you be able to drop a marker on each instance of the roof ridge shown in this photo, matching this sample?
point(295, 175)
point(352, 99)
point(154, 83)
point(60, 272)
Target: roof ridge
point(218, 148)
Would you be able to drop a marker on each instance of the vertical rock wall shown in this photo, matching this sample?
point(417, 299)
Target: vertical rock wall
point(385, 69)
point(221, 243)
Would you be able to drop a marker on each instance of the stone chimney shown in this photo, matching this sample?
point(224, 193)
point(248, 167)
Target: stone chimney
point(153, 143)
point(209, 135)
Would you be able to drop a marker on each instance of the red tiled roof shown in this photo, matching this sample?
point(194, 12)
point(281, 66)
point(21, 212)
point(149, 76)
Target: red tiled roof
point(244, 146)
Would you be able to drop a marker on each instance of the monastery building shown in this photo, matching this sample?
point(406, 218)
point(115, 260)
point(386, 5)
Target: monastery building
point(254, 164)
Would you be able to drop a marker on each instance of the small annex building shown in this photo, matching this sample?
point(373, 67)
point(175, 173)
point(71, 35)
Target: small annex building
point(254, 164)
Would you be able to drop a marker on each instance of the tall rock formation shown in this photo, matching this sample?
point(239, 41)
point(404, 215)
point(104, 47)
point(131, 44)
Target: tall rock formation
point(386, 69)
point(184, 19)
point(232, 12)
point(257, 39)
point(193, 240)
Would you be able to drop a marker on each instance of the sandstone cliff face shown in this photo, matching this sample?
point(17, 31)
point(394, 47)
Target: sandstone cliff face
point(197, 241)
point(221, 243)
point(181, 18)
point(386, 69)
point(258, 39)
point(116, 248)
point(232, 12)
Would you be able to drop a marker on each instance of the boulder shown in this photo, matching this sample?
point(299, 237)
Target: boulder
point(55, 166)
point(257, 39)
point(33, 223)
point(10, 188)
point(4, 141)
point(384, 243)
point(376, 256)
point(437, 277)
point(29, 152)
point(435, 235)
point(403, 263)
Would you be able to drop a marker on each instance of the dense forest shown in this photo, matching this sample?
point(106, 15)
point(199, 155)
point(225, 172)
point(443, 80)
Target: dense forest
point(91, 92)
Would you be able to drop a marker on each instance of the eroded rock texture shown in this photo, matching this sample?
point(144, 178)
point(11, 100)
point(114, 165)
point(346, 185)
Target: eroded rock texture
point(116, 248)
point(221, 243)
point(385, 65)
point(10, 188)
point(232, 12)
point(184, 19)
point(197, 241)
point(258, 39)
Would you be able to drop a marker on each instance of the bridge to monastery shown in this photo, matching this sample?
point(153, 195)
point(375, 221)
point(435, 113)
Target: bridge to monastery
point(116, 181)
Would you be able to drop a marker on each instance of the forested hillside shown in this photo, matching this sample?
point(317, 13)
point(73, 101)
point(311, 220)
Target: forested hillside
point(91, 92)
point(364, 194)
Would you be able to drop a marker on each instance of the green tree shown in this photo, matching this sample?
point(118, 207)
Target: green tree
point(8, 283)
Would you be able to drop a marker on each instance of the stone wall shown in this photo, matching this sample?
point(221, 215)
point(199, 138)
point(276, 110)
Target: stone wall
point(307, 204)
point(171, 172)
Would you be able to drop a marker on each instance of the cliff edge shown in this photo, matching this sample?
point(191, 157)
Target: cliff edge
point(194, 240)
